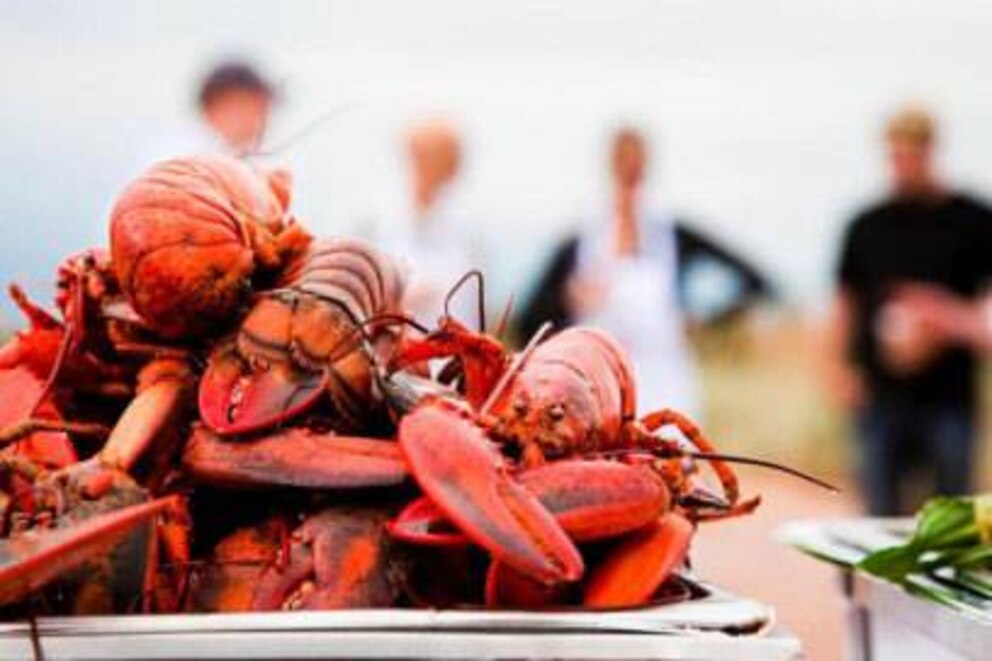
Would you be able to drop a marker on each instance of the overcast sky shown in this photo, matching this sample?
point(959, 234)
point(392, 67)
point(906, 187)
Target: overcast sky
point(765, 115)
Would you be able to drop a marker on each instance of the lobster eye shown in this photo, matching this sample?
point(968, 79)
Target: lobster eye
point(519, 406)
point(556, 412)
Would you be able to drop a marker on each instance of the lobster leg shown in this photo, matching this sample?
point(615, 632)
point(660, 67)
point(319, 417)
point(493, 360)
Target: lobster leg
point(164, 386)
point(294, 457)
point(638, 566)
point(463, 473)
point(482, 357)
point(658, 419)
point(171, 542)
point(32, 559)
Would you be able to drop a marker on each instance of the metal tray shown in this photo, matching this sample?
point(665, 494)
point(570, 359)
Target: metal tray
point(716, 626)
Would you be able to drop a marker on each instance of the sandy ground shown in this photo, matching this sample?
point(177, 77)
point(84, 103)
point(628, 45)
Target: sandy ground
point(743, 555)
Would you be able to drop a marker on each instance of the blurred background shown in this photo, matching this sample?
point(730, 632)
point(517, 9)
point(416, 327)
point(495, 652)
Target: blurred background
point(765, 122)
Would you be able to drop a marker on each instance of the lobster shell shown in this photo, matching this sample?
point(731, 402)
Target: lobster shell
point(186, 237)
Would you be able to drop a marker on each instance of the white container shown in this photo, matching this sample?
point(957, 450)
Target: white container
point(885, 622)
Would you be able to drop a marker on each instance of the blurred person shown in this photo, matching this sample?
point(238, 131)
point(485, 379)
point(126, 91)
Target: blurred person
point(627, 272)
point(906, 326)
point(235, 101)
point(434, 245)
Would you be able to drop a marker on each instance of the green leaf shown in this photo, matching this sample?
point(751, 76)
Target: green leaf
point(892, 564)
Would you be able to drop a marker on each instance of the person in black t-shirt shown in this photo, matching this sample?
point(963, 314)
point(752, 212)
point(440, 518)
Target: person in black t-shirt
point(912, 269)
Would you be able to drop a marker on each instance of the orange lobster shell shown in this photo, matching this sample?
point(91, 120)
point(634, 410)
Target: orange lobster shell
point(187, 236)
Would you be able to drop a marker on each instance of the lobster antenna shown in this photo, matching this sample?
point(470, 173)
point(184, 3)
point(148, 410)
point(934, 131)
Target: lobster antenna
point(504, 318)
point(53, 374)
point(764, 463)
point(480, 296)
point(734, 459)
point(306, 130)
point(518, 362)
point(394, 319)
point(387, 319)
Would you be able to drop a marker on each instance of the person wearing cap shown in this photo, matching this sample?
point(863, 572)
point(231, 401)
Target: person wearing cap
point(912, 269)
point(234, 102)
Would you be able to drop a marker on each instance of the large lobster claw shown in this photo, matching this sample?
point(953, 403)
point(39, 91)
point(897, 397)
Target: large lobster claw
point(31, 559)
point(590, 499)
point(463, 473)
point(236, 397)
point(294, 457)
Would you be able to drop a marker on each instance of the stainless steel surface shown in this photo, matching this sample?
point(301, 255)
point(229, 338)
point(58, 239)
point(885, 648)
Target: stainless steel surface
point(700, 629)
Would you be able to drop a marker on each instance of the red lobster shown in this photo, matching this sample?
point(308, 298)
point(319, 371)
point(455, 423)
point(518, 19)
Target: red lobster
point(571, 396)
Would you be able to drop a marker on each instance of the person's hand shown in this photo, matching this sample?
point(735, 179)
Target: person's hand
point(948, 317)
point(915, 326)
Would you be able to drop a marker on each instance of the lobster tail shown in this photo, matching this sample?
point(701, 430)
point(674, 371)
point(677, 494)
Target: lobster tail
point(186, 237)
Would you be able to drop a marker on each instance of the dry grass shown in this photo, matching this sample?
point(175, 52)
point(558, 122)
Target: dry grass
point(764, 394)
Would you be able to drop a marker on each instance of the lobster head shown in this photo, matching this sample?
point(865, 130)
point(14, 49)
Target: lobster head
point(540, 410)
point(571, 394)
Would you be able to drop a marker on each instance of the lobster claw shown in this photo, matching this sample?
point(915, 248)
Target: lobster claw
point(422, 523)
point(640, 563)
point(22, 390)
point(590, 499)
point(294, 457)
point(236, 397)
point(597, 498)
point(466, 477)
point(32, 559)
point(338, 558)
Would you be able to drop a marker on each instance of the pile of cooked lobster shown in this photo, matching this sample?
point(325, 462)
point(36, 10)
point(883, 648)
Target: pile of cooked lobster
point(225, 413)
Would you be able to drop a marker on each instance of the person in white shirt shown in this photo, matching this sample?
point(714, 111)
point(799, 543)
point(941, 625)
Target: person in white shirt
point(625, 283)
point(424, 233)
point(630, 271)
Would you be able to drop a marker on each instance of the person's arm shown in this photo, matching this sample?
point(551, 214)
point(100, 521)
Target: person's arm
point(549, 299)
point(692, 243)
point(844, 378)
